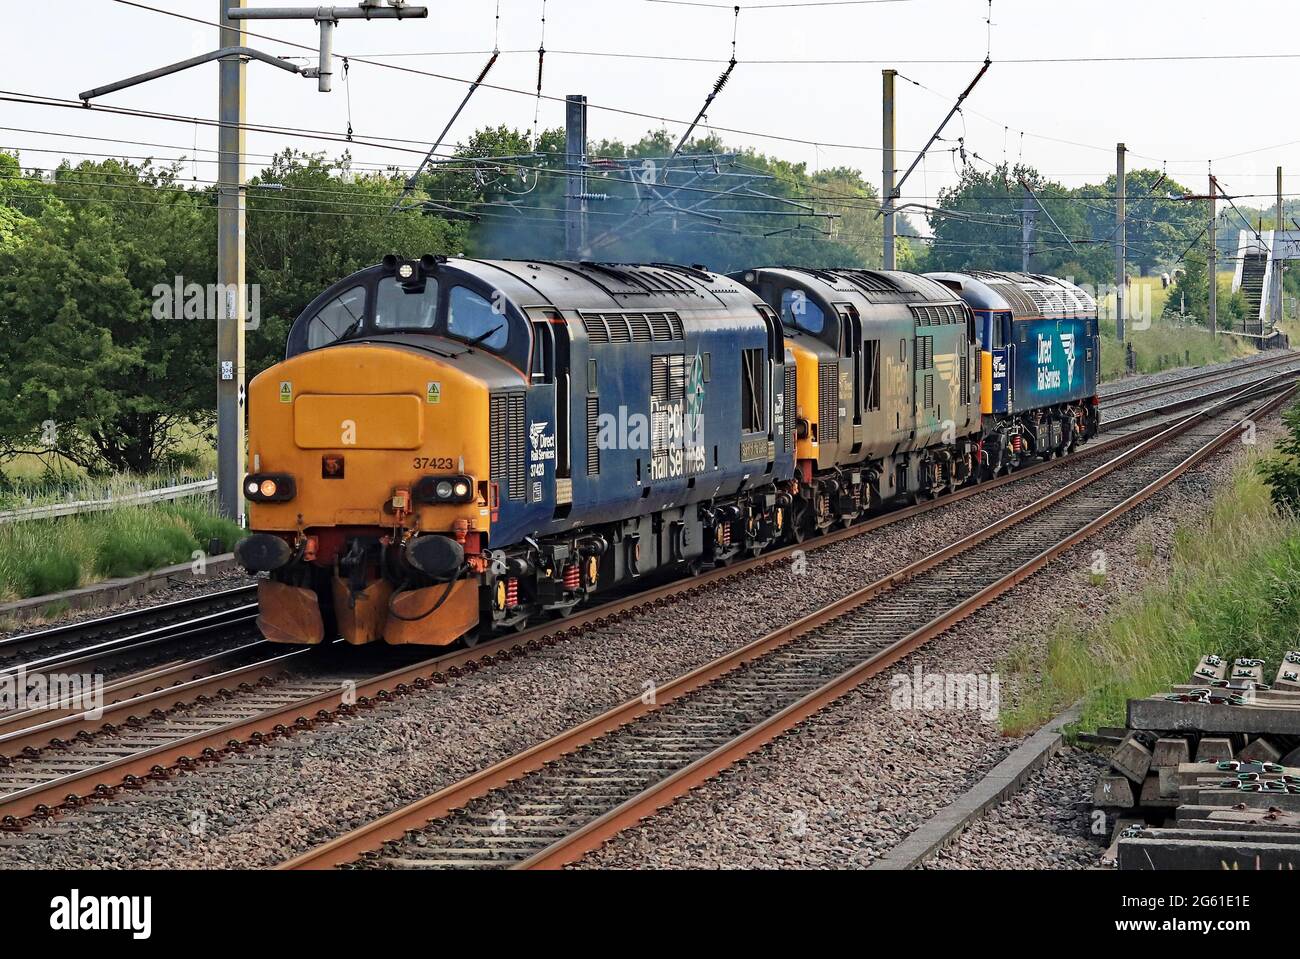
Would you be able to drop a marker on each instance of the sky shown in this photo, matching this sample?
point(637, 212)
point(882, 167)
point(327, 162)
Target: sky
point(1064, 118)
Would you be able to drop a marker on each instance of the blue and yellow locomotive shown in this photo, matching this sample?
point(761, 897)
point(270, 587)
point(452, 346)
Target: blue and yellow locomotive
point(456, 446)
point(1040, 362)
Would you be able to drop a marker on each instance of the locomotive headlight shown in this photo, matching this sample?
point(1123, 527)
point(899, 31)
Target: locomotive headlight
point(443, 489)
point(406, 271)
point(269, 487)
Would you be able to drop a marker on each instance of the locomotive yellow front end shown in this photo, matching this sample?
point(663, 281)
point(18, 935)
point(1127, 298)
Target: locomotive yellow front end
point(368, 496)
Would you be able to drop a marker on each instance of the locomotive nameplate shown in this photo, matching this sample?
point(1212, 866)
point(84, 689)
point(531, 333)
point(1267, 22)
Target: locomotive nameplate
point(753, 450)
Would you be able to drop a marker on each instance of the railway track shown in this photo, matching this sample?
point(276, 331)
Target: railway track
point(1126, 407)
point(1268, 361)
point(558, 800)
point(165, 721)
point(108, 643)
point(43, 747)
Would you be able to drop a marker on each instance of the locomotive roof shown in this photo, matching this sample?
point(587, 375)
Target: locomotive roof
point(1025, 295)
point(586, 285)
point(876, 286)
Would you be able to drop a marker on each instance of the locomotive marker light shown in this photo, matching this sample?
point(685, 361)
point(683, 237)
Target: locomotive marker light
point(270, 487)
point(444, 489)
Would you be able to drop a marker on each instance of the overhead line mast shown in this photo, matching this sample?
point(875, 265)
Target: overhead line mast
point(890, 195)
point(231, 213)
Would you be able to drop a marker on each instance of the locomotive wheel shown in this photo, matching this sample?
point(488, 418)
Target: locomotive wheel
point(797, 530)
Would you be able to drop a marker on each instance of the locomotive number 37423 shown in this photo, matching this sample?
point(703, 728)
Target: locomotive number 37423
point(433, 463)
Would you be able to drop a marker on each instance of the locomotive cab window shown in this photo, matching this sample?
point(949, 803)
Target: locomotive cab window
point(752, 392)
point(396, 308)
point(801, 313)
point(340, 316)
point(472, 318)
point(1001, 330)
point(871, 391)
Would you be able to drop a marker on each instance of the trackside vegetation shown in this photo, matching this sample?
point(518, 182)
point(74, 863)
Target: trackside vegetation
point(1232, 587)
point(47, 556)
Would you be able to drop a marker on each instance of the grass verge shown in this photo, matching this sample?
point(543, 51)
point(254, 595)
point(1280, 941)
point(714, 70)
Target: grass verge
point(1164, 346)
point(47, 556)
point(1232, 588)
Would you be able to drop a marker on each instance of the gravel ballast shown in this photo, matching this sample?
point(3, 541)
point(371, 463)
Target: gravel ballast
point(1049, 823)
point(865, 776)
point(861, 775)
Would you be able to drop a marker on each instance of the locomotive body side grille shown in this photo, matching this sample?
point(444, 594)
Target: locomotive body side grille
point(633, 327)
point(593, 435)
point(518, 453)
point(506, 443)
point(791, 404)
point(828, 403)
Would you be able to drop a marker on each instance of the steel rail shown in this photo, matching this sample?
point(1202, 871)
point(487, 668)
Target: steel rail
point(89, 658)
point(1196, 379)
point(348, 847)
point(596, 833)
point(174, 614)
point(41, 800)
point(1179, 405)
point(157, 690)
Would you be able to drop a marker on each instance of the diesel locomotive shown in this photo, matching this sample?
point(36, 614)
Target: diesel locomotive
point(453, 447)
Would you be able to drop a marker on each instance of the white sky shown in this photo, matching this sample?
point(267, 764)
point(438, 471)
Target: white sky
point(1182, 112)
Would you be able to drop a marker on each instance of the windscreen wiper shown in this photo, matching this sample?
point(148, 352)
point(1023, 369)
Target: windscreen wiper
point(483, 336)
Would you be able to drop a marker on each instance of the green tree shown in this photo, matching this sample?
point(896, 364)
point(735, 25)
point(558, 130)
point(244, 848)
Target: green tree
point(978, 225)
point(87, 370)
point(317, 225)
point(20, 198)
point(521, 204)
point(1158, 222)
point(1190, 294)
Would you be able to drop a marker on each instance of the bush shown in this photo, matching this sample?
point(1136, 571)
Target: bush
point(1233, 588)
point(135, 540)
point(206, 526)
point(1282, 472)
